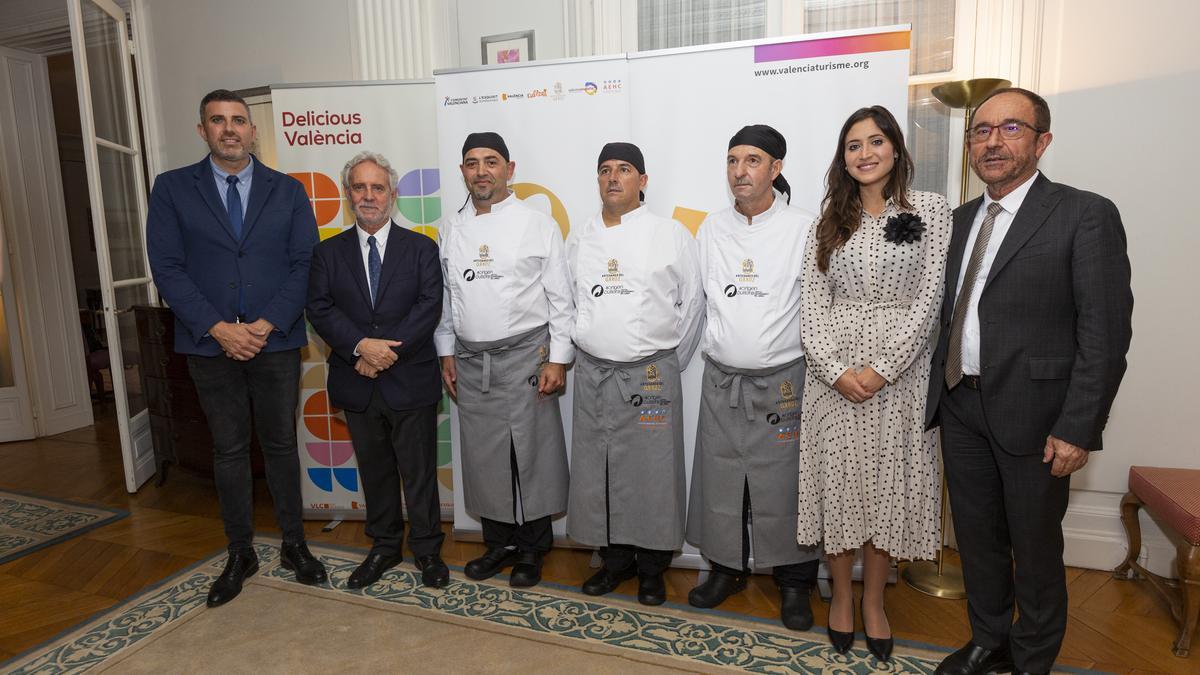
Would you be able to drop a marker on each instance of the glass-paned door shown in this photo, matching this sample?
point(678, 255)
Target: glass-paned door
point(116, 187)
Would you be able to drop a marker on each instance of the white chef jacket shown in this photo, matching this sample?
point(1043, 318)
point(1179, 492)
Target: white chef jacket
point(1010, 204)
point(752, 276)
point(505, 274)
point(637, 287)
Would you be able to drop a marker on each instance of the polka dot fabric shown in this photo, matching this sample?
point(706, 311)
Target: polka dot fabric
point(869, 471)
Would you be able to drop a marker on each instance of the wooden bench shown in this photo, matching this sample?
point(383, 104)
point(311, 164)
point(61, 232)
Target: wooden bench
point(1173, 497)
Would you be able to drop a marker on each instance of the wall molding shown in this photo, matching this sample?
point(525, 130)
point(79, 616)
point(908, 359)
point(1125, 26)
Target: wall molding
point(1094, 536)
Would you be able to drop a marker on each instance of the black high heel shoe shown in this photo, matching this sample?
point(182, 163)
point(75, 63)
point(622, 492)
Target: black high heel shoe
point(881, 648)
point(841, 641)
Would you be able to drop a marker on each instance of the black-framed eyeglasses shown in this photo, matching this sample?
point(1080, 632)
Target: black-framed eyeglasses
point(1009, 130)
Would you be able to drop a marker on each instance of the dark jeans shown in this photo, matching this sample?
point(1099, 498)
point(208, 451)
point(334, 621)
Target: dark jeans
point(796, 575)
point(265, 390)
point(1008, 513)
point(393, 446)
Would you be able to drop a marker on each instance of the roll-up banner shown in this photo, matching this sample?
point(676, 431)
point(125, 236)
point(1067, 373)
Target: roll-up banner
point(318, 128)
point(680, 106)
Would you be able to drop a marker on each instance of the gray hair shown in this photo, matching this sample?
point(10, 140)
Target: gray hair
point(373, 157)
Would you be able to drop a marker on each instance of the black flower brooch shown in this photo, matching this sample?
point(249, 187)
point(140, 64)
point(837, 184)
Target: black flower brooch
point(903, 229)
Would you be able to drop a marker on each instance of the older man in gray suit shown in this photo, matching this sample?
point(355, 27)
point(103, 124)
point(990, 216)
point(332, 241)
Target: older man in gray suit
point(1035, 327)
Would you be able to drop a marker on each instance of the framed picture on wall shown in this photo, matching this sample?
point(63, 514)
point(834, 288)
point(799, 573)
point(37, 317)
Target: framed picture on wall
point(507, 47)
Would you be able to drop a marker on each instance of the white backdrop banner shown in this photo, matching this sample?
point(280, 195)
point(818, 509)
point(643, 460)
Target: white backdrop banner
point(680, 106)
point(318, 128)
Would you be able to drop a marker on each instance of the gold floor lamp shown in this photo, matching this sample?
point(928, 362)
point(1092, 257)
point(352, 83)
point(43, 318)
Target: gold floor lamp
point(934, 578)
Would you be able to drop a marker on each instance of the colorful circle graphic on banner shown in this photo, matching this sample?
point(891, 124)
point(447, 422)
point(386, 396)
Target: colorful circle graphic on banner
point(417, 200)
point(333, 449)
point(323, 194)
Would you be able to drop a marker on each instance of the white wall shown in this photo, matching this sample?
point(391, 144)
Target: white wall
point(195, 47)
point(477, 18)
point(1123, 83)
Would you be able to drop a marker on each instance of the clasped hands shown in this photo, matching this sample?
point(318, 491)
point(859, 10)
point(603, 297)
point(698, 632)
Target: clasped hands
point(375, 355)
point(241, 341)
point(858, 386)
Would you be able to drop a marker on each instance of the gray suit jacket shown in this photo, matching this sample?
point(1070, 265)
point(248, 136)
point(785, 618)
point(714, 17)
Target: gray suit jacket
point(1054, 317)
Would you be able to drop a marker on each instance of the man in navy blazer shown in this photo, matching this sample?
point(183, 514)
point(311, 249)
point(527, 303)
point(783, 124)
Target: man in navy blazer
point(229, 243)
point(375, 297)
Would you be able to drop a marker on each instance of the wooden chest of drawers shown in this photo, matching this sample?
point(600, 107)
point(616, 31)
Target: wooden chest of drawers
point(178, 427)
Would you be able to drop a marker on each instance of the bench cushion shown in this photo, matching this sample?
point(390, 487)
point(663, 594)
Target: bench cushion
point(1172, 494)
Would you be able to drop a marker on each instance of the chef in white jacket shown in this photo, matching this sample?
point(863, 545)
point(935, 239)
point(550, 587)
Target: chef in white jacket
point(747, 438)
point(640, 310)
point(504, 342)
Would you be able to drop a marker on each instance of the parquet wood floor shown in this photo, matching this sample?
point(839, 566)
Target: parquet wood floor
point(1115, 626)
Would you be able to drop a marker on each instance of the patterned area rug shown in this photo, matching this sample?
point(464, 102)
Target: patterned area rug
point(28, 522)
point(278, 625)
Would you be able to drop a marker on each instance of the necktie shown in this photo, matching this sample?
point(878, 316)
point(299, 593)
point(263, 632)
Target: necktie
point(954, 372)
point(374, 264)
point(233, 202)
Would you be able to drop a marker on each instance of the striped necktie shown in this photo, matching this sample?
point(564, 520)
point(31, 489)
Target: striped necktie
point(954, 371)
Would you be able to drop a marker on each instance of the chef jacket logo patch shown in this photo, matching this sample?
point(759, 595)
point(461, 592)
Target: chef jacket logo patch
point(748, 266)
point(730, 291)
point(485, 257)
point(653, 381)
point(747, 276)
point(746, 283)
point(611, 282)
point(469, 275)
point(543, 354)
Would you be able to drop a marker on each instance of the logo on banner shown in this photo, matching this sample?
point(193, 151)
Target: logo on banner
point(612, 86)
point(332, 448)
point(590, 88)
point(536, 93)
point(558, 94)
point(454, 100)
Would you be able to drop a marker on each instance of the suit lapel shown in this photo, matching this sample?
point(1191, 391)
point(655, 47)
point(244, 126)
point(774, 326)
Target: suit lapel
point(354, 262)
point(391, 258)
point(1033, 213)
point(964, 217)
point(206, 185)
point(260, 190)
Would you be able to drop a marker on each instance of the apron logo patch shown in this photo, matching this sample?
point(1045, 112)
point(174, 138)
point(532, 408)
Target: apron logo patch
point(533, 380)
point(653, 381)
point(654, 417)
point(772, 418)
point(543, 354)
point(788, 393)
point(787, 434)
point(635, 400)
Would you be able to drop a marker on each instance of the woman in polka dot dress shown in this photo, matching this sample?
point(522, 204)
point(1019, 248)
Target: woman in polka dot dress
point(869, 474)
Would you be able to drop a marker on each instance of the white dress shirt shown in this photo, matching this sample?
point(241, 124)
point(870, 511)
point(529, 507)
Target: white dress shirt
point(505, 274)
point(752, 276)
point(381, 238)
point(1009, 204)
point(637, 287)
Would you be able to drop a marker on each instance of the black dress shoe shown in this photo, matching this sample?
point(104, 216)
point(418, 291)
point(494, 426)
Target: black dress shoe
point(434, 572)
point(972, 659)
point(606, 581)
point(651, 589)
point(527, 570)
point(372, 568)
point(842, 642)
point(490, 563)
point(296, 557)
point(238, 566)
point(715, 589)
point(881, 648)
point(794, 608)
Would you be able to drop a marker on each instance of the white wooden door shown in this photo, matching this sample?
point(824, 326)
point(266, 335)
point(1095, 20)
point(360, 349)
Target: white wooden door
point(116, 186)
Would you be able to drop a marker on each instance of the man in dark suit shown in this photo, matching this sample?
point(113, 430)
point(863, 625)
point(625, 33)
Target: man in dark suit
point(1035, 327)
point(375, 297)
point(229, 243)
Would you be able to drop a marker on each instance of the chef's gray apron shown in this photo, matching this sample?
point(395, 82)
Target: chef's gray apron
point(627, 430)
point(499, 408)
point(748, 433)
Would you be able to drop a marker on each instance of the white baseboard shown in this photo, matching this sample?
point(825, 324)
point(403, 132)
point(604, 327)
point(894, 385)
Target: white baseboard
point(1094, 537)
